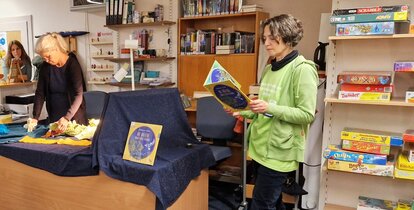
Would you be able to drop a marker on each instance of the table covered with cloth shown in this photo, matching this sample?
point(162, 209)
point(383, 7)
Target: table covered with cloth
point(62, 160)
point(176, 162)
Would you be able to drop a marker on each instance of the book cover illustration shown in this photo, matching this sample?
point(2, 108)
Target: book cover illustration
point(226, 89)
point(142, 143)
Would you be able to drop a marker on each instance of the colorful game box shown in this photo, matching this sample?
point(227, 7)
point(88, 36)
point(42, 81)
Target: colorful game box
point(372, 17)
point(367, 10)
point(365, 77)
point(403, 163)
point(362, 29)
point(367, 88)
point(364, 96)
point(371, 169)
point(360, 146)
point(404, 66)
point(403, 174)
point(336, 153)
point(373, 136)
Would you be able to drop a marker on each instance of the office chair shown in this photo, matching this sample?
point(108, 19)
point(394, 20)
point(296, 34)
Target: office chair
point(95, 103)
point(212, 122)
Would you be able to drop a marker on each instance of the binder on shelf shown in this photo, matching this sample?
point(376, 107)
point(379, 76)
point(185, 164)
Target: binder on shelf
point(119, 14)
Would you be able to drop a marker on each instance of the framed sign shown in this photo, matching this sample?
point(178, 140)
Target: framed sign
point(86, 4)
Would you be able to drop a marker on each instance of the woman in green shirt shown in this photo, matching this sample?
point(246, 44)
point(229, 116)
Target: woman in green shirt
point(282, 113)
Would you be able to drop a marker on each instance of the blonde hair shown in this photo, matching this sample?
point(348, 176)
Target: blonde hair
point(51, 41)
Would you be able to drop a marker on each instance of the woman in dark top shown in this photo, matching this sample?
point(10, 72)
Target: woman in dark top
point(60, 84)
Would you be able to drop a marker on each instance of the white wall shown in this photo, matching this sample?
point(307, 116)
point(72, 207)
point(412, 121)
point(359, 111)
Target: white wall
point(50, 16)
point(55, 15)
point(309, 12)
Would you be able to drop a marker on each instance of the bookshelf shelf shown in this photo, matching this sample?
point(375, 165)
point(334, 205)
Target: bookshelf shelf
point(101, 43)
point(395, 36)
point(393, 102)
point(120, 60)
point(160, 23)
point(337, 207)
point(218, 16)
point(97, 83)
point(101, 56)
point(100, 70)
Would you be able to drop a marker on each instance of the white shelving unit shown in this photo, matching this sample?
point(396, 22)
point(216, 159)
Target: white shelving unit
point(162, 31)
point(340, 190)
point(98, 68)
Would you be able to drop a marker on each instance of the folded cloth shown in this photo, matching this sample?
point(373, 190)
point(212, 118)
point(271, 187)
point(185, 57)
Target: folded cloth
point(66, 141)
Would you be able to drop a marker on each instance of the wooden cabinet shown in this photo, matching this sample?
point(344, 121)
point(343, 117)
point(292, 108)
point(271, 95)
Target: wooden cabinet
point(340, 190)
point(193, 69)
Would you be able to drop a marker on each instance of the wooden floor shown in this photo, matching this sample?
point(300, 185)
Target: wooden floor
point(23, 187)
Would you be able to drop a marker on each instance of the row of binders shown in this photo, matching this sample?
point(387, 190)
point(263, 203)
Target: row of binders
point(119, 11)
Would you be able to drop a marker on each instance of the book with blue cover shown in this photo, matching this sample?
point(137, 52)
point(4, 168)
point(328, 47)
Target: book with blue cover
point(142, 143)
point(226, 89)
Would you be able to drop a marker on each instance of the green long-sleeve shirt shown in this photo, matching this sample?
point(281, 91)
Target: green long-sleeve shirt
point(278, 142)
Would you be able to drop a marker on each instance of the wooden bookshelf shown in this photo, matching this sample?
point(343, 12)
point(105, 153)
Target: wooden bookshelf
point(393, 102)
point(193, 69)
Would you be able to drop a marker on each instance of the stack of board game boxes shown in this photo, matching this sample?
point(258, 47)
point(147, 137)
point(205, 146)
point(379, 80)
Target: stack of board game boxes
point(379, 20)
point(365, 85)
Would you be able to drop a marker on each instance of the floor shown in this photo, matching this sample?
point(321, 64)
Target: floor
point(228, 193)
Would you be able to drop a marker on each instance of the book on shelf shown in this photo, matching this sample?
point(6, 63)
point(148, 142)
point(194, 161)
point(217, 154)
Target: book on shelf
point(193, 8)
point(142, 143)
point(404, 66)
point(367, 203)
point(226, 89)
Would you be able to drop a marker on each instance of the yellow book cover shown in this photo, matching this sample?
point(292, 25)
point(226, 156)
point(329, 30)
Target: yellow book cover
point(403, 174)
point(142, 143)
point(226, 89)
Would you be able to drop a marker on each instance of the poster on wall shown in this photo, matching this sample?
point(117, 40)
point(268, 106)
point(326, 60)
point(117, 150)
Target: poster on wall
point(3, 44)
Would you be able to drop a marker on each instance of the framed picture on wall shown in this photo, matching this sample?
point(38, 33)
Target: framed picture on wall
point(86, 4)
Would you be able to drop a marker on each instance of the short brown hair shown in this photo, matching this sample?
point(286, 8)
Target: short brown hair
point(285, 26)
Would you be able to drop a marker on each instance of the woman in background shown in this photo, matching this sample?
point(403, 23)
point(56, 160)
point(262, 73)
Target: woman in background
point(60, 84)
point(17, 55)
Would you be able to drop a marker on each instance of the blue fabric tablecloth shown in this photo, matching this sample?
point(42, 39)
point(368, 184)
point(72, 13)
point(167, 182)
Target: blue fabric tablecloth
point(175, 165)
